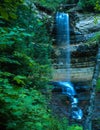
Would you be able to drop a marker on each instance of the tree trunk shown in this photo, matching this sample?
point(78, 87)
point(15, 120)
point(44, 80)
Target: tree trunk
point(90, 110)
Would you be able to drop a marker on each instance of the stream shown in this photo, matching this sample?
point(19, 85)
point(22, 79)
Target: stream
point(60, 107)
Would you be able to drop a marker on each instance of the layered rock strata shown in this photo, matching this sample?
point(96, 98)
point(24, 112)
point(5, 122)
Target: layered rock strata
point(83, 55)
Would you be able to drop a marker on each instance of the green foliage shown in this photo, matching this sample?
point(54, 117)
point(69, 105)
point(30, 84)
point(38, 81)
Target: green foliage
point(8, 8)
point(21, 108)
point(97, 6)
point(95, 38)
point(50, 4)
point(59, 124)
point(39, 41)
point(23, 73)
point(75, 127)
point(88, 5)
point(14, 56)
point(98, 85)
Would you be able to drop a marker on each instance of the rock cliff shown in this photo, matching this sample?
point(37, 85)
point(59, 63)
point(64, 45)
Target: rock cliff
point(83, 26)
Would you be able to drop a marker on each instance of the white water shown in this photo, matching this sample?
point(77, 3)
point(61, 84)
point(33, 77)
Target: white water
point(63, 38)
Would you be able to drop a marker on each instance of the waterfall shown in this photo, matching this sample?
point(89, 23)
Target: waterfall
point(63, 39)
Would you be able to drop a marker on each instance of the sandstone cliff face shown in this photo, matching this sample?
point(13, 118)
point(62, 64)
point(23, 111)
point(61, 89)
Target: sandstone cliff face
point(87, 24)
point(83, 27)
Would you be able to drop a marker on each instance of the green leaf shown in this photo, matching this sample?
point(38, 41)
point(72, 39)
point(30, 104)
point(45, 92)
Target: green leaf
point(4, 14)
point(26, 34)
point(20, 79)
point(13, 15)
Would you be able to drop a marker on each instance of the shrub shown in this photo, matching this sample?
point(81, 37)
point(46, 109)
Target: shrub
point(87, 4)
point(75, 127)
point(21, 79)
point(22, 108)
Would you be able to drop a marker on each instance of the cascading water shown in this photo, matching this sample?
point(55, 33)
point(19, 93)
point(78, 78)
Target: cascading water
point(63, 40)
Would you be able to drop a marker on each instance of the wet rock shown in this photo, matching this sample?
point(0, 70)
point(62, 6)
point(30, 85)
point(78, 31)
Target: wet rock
point(83, 26)
point(86, 23)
